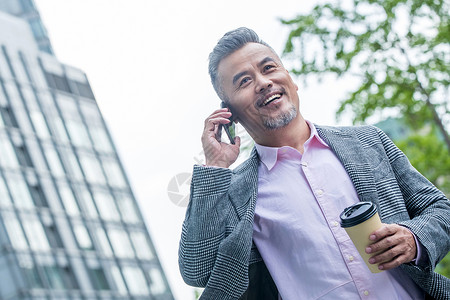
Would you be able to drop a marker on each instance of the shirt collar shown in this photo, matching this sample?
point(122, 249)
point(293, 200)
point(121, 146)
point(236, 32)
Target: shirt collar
point(269, 155)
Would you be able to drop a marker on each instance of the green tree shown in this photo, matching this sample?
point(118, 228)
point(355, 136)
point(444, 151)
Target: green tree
point(398, 51)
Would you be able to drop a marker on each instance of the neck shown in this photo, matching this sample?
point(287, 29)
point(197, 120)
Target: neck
point(294, 135)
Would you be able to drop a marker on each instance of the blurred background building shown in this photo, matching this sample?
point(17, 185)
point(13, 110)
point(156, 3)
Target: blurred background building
point(70, 227)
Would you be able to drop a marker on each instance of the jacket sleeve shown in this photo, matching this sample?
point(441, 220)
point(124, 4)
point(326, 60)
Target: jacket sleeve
point(204, 225)
point(427, 206)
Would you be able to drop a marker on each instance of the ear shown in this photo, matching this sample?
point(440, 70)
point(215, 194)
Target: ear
point(296, 86)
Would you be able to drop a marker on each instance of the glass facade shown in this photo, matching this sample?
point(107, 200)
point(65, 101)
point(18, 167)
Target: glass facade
point(26, 10)
point(70, 227)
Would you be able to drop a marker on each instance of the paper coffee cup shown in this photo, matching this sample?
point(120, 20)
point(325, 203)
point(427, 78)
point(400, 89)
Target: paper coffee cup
point(359, 221)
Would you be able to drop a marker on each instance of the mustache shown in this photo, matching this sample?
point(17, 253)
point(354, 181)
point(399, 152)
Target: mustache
point(263, 96)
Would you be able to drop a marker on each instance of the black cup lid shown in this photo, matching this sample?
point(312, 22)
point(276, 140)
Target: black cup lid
point(357, 213)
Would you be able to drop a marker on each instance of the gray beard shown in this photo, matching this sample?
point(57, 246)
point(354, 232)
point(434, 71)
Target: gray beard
point(281, 120)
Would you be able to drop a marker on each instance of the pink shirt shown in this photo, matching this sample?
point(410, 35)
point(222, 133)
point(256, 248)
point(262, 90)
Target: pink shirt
point(297, 228)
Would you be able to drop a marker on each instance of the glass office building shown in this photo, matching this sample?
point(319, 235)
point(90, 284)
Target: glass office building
point(70, 227)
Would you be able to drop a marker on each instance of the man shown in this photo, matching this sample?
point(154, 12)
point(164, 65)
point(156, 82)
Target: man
point(269, 229)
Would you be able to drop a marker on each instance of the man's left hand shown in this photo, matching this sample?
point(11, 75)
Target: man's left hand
point(396, 245)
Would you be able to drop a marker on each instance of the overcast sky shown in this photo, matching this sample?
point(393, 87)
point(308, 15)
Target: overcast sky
point(147, 64)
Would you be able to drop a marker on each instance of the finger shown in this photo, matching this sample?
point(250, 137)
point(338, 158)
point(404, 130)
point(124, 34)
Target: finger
point(211, 124)
point(218, 132)
point(386, 256)
point(382, 245)
point(385, 230)
point(237, 141)
point(401, 236)
point(394, 263)
point(224, 114)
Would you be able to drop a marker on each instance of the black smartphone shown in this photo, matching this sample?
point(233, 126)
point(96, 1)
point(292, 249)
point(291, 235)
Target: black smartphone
point(229, 128)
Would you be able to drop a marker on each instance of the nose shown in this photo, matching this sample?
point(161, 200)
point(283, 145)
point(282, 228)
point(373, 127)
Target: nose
point(262, 83)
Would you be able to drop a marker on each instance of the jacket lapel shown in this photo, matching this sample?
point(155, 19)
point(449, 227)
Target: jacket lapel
point(245, 186)
point(353, 157)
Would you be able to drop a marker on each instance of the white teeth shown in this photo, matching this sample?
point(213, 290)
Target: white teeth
point(271, 98)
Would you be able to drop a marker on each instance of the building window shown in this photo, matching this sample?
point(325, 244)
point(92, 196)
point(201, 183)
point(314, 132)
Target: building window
point(71, 163)
point(30, 99)
point(118, 280)
point(8, 156)
point(68, 107)
point(39, 125)
point(53, 161)
point(57, 82)
point(100, 139)
point(58, 273)
point(19, 110)
point(38, 195)
point(53, 274)
point(87, 202)
point(29, 269)
point(46, 99)
point(84, 90)
point(5, 199)
point(58, 129)
point(78, 134)
point(19, 71)
point(97, 276)
point(19, 191)
point(106, 206)
point(8, 117)
point(27, 5)
point(121, 243)
point(15, 233)
point(141, 245)
point(114, 173)
point(36, 155)
point(68, 200)
point(53, 236)
point(127, 208)
point(157, 285)
point(37, 28)
point(69, 278)
point(36, 74)
point(91, 113)
point(135, 280)
point(35, 233)
point(23, 156)
point(5, 53)
point(103, 241)
point(50, 193)
point(4, 70)
point(92, 169)
point(83, 238)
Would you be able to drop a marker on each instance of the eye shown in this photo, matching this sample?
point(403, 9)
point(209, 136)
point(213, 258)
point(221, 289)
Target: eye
point(244, 81)
point(268, 67)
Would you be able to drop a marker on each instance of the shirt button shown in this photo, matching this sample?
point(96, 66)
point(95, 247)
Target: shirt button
point(351, 258)
point(366, 293)
point(320, 192)
point(305, 164)
point(335, 224)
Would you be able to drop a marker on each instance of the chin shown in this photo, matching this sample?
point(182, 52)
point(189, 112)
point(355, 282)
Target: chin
point(282, 120)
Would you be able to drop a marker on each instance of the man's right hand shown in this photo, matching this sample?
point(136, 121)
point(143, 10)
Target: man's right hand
point(218, 153)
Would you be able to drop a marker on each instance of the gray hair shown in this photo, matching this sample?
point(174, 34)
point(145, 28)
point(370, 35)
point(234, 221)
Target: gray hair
point(229, 43)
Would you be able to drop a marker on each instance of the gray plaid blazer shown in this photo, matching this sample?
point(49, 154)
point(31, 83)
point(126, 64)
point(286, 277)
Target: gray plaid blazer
point(216, 249)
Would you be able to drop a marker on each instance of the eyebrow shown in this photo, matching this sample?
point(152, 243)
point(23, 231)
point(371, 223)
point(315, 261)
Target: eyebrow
point(262, 62)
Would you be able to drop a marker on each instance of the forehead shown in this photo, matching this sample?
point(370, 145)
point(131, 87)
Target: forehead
point(243, 59)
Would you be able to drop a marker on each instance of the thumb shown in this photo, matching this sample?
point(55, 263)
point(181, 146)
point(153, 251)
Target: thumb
point(237, 141)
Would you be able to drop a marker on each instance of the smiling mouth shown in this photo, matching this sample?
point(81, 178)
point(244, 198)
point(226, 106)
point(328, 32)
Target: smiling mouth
point(271, 98)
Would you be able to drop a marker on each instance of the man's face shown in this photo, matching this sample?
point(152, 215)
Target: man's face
point(258, 88)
